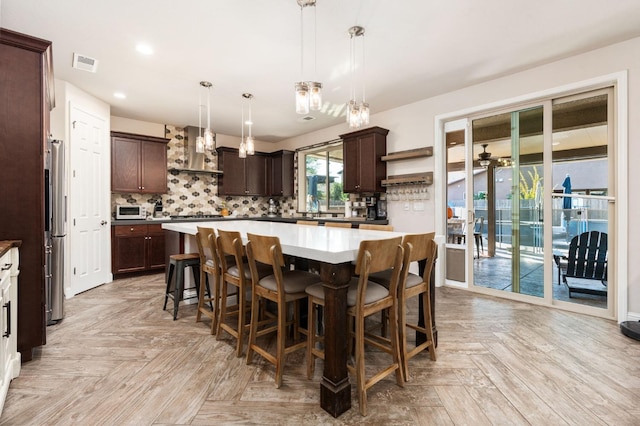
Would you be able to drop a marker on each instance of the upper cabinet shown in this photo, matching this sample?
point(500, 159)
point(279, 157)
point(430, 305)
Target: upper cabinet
point(364, 169)
point(242, 176)
point(138, 163)
point(281, 182)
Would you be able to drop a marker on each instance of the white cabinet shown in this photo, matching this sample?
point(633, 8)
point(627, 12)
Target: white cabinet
point(9, 356)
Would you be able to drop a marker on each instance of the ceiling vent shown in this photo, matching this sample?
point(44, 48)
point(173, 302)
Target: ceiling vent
point(85, 63)
point(308, 118)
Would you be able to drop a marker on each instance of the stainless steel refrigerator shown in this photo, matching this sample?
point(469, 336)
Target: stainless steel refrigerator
point(55, 230)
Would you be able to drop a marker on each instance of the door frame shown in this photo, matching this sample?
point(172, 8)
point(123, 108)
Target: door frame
point(620, 129)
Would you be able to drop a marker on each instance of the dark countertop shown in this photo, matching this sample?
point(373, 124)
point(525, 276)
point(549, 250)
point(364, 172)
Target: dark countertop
point(354, 221)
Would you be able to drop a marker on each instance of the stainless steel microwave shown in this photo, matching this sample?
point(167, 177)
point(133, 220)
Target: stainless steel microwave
point(130, 211)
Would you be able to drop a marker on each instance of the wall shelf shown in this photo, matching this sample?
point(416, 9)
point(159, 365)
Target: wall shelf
point(408, 154)
point(425, 178)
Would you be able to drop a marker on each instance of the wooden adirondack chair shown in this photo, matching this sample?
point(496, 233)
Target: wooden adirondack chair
point(587, 264)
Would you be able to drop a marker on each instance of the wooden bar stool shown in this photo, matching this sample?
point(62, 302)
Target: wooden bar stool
point(209, 266)
point(417, 248)
point(338, 224)
point(282, 287)
point(374, 227)
point(365, 298)
point(180, 262)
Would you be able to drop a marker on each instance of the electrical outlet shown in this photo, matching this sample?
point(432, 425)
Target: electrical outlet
point(406, 207)
point(418, 207)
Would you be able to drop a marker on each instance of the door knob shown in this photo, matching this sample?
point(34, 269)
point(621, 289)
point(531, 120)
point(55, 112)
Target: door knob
point(103, 222)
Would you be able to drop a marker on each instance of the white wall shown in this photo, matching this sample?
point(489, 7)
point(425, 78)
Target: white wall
point(127, 125)
point(412, 126)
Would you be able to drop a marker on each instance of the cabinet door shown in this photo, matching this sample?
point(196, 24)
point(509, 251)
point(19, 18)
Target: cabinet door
point(125, 165)
point(275, 184)
point(351, 173)
point(282, 174)
point(154, 167)
point(129, 248)
point(367, 154)
point(155, 246)
point(232, 180)
point(256, 174)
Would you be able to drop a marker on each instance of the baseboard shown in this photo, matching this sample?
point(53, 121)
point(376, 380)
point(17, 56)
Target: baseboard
point(633, 316)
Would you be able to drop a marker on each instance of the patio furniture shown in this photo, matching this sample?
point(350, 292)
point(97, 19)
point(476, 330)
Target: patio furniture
point(586, 268)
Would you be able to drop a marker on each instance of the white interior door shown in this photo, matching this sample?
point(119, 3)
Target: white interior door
point(90, 245)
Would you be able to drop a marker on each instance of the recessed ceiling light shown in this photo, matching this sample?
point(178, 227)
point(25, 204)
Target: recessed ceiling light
point(145, 49)
point(119, 95)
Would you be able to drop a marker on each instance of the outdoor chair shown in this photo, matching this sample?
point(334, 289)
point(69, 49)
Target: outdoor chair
point(586, 264)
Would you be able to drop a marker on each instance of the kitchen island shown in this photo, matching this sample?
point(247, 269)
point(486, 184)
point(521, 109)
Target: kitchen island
point(335, 249)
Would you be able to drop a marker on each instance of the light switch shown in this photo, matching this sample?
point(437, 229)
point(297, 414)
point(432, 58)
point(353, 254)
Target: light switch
point(406, 206)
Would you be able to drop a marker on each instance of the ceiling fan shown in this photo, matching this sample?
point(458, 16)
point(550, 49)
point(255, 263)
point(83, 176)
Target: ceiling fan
point(485, 158)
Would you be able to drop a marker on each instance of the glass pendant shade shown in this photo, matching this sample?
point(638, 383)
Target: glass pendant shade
point(251, 149)
point(350, 105)
point(209, 140)
point(354, 115)
point(242, 152)
point(200, 144)
point(302, 98)
point(315, 99)
point(364, 114)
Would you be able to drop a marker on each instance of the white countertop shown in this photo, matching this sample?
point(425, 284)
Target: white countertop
point(325, 244)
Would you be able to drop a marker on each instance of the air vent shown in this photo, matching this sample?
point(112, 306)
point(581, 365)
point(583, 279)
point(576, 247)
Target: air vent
point(308, 118)
point(85, 63)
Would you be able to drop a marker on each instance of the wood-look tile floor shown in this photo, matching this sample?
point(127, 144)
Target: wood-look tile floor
point(118, 358)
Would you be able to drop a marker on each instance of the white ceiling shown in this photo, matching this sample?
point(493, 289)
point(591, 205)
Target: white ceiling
point(414, 50)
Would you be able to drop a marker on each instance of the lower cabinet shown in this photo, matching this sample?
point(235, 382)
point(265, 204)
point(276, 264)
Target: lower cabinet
point(137, 248)
point(9, 356)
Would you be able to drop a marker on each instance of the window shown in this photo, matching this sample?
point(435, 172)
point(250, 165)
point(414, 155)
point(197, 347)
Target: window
point(320, 179)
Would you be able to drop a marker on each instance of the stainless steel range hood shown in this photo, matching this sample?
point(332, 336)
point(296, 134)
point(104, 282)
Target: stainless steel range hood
point(194, 161)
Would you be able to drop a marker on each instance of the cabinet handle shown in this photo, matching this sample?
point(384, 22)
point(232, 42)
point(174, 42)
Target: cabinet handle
point(143, 187)
point(131, 229)
point(8, 307)
point(7, 266)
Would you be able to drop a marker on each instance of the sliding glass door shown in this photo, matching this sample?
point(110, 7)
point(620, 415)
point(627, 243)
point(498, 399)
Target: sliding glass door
point(507, 193)
point(555, 153)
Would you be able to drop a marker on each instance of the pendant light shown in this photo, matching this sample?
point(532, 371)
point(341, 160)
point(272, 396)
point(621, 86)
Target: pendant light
point(242, 151)
point(308, 93)
point(199, 138)
point(357, 113)
point(247, 146)
point(251, 146)
point(209, 136)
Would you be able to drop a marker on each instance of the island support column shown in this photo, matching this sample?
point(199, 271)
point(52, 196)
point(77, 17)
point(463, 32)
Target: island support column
point(335, 389)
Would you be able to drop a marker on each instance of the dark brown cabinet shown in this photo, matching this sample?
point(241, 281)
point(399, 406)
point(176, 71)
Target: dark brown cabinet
point(362, 151)
point(26, 97)
point(137, 248)
point(242, 176)
point(138, 163)
point(281, 173)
